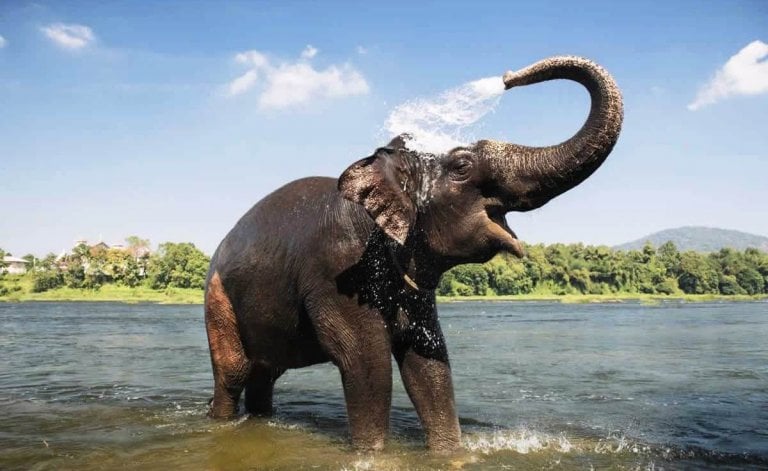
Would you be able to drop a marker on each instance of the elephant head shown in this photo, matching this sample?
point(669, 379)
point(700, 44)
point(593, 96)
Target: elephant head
point(453, 206)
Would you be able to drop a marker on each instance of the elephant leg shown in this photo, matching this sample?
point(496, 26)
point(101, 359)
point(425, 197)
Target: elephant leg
point(230, 364)
point(430, 387)
point(359, 345)
point(259, 389)
point(367, 381)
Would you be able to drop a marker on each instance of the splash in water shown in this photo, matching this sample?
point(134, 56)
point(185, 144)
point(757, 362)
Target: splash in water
point(439, 124)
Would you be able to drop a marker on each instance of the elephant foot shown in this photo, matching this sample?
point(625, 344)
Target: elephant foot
point(444, 443)
point(369, 444)
point(218, 415)
point(223, 408)
point(443, 449)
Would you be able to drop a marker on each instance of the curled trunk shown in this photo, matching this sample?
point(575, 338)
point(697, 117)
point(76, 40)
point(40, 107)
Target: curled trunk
point(531, 176)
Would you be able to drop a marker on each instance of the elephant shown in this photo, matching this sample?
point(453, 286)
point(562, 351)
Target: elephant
point(345, 270)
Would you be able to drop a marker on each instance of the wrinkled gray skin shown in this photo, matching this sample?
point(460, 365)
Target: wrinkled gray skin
point(345, 270)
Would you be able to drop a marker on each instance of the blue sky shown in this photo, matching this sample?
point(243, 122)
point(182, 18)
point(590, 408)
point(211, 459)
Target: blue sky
point(121, 118)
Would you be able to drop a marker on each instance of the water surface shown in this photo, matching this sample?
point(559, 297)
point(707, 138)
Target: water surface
point(538, 385)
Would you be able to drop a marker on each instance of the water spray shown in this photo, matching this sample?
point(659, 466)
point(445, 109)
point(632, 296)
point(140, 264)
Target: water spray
point(439, 124)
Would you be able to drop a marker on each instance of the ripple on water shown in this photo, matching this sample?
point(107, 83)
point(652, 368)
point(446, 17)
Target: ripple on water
point(522, 441)
point(626, 387)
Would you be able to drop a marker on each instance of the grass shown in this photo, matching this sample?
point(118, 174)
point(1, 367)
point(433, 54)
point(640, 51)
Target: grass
point(20, 289)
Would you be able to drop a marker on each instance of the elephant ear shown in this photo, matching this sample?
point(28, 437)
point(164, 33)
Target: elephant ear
point(380, 183)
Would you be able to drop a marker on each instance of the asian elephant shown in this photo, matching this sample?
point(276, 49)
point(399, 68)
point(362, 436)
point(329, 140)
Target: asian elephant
point(345, 270)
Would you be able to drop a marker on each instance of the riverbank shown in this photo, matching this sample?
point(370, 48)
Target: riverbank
point(125, 294)
point(609, 298)
point(110, 293)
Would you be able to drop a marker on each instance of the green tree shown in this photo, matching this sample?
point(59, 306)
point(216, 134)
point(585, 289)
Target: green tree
point(579, 279)
point(537, 268)
point(74, 277)
point(133, 273)
point(697, 274)
point(647, 271)
point(750, 280)
point(759, 261)
point(446, 286)
point(121, 267)
point(559, 258)
point(471, 279)
point(667, 286)
point(178, 265)
point(47, 263)
point(606, 269)
point(669, 256)
point(508, 276)
point(46, 280)
point(32, 262)
point(81, 253)
point(729, 285)
point(95, 267)
point(730, 261)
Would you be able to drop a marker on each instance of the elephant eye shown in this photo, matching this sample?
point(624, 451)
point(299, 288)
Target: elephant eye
point(460, 169)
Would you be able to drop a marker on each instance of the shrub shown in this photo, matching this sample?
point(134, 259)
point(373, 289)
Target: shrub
point(729, 285)
point(45, 280)
point(750, 280)
point(667, 286)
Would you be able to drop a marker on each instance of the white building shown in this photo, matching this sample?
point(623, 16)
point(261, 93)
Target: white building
point(14, 265)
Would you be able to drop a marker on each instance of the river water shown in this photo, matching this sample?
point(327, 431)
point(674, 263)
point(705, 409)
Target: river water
point(538, 386)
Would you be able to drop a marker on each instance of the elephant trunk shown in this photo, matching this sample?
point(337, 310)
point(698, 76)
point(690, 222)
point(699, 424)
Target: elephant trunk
point(531, 176)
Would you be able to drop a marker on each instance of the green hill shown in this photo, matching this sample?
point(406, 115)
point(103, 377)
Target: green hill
point(700, 239)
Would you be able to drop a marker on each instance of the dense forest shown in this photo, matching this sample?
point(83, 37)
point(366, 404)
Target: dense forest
point(557, 269)
point(582, 269)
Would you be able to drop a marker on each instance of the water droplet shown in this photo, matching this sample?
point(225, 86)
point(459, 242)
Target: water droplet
point(441, 123)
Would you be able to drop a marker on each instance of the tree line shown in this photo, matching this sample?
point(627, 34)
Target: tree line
point(173, 265)
point(556, 269)
point(561, 269)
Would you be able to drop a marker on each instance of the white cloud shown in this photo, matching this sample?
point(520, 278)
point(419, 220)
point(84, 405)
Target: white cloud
point(3, 42)
point(293, 84)
point(243, 83)
point(745, 73)
point(361, 50)
point(289, 84)
point(252, 58)
point(69, 36)
point(309, 52)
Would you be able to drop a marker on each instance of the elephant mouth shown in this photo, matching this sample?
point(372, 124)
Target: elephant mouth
point(497, 225)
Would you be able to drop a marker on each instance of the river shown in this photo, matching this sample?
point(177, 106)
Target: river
point(539, 385)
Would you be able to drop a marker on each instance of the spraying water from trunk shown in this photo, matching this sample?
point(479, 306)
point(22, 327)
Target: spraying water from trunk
point(441, 123)
point(527, 177)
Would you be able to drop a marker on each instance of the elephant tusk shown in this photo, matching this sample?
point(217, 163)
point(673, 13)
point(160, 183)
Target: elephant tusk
point(409, 281)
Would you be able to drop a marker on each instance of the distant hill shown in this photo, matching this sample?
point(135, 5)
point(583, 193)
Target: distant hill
point(701, 239)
